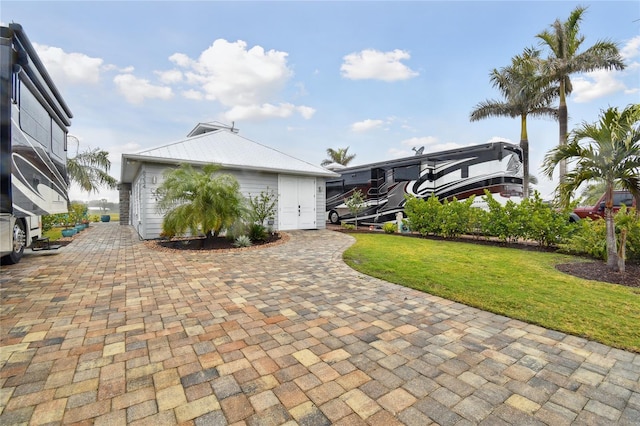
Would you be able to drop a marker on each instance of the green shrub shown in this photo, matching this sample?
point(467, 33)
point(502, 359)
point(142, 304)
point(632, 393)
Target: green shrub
point(423, 216)
point(262, 206)
point(94, 218)
point(629, 220)
point(455, 217)
point(590, 236)
point(257, 232)
point(545, 224)
point(242, 241)
point(389, 227)
point(348, 226)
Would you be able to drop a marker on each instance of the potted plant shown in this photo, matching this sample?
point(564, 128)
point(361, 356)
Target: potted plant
point(105, 217)
point(68, 223)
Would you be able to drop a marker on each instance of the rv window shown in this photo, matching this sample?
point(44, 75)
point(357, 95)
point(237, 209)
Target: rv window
point(58, 147)
point(406, 173)
point(357, 178)
point(334, 188)
point(34, 118)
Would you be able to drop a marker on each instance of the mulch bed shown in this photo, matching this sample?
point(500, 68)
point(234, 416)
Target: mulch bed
point(599, 271)
point(217, 244)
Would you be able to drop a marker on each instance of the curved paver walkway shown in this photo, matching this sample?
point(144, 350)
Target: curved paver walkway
point(108, 331)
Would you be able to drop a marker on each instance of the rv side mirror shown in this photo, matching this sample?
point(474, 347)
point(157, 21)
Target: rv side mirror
point(601, 207)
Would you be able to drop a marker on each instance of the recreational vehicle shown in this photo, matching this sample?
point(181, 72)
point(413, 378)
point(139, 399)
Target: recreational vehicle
point(33, 144)
point(459, 173)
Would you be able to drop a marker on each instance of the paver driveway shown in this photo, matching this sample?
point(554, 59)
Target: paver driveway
point(109, 331)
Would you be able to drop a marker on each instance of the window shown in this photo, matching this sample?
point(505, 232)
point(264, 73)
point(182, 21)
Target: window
point(58, 141)
point(34, 118)
point(401, 174)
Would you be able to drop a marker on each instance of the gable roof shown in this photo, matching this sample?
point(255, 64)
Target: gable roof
point(222, 146)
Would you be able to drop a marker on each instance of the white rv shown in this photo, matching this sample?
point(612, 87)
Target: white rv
point(459, 173)
point(33, 144)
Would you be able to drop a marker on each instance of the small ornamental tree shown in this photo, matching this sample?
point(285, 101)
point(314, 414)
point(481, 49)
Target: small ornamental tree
point(262, 206)
point(199, 200)
point(355, 204)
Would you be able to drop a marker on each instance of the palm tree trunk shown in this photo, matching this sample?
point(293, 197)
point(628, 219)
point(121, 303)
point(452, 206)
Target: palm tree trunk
point(612, 252)
point(563, 118)
point(524, 145)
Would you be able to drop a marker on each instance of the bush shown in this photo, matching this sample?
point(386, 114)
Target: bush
point(590, 236)
point(242, 241)
point(262, 206)
point(257, 232)
point(389, 227)
point(455, 217)
point(348, 226)
point(423, 216)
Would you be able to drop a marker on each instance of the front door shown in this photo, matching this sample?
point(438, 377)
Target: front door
point(296, 202)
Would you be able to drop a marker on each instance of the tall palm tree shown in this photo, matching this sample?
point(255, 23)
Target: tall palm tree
point(607, 151)
point(90, 170)
point(199, 200)
point(564, 41)
point(339, 156)
point(525, 93)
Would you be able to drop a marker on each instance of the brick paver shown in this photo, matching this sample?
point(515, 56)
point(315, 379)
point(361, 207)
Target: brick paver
point(111, 331)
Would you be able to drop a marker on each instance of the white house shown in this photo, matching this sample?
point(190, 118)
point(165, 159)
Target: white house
point(300, 185)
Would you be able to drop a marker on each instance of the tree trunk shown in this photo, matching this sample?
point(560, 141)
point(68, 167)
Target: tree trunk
point(563, 118)
point(524, 145)
point(612, 252)
point(622, 251)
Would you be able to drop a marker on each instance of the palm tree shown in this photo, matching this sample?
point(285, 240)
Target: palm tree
point(525, 94)
point(607, 151)
point(90, 169)
point(339, 156)
point(564, 41)
point(199, 200)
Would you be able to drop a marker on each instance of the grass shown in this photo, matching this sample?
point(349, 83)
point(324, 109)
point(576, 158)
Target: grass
point(515, 283)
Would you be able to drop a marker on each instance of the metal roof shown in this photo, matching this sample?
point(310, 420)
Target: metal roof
point(225, 148)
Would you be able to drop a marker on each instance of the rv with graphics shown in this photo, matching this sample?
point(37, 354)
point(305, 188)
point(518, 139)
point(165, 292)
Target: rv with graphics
point(33, 144)
point(459, 173)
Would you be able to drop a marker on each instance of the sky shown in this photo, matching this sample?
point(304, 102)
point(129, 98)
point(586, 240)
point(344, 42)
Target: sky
point(377, 77)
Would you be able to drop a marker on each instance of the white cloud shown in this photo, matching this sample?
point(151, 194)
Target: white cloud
point(237, 76)
point(499, 139)
point(69, 68)
point(267, 110)
point(366, 125)
point(169, 77)
point(193, 95)
point(305, 111)
point(596, 84)
point(600, 83)
point(430, 143)
point(376, 65)
point(136, 90)
point(631, 49)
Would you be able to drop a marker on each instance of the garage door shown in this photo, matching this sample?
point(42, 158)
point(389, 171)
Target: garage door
point(296, 203)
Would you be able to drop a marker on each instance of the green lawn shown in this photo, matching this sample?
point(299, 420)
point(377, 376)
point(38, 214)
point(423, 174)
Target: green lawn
point(516, 283)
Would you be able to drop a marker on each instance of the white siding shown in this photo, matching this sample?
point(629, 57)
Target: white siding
point(321, 203)
point(148, 222)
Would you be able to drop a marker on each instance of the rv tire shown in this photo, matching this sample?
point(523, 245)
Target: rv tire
point(19, 236)
point(334, 217)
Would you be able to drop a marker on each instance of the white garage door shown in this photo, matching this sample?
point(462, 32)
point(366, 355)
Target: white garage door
point(296, 203)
